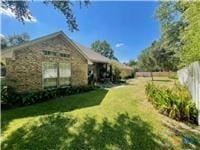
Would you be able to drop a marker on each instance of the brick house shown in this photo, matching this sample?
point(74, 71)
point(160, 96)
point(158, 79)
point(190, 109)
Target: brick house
point(50, 61)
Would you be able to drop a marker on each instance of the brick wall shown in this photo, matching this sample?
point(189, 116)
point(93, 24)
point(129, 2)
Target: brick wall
point(24, 70)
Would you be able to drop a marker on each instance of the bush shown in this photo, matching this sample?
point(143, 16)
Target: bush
point(116, 71)
point(12, 98)
point(174, 102)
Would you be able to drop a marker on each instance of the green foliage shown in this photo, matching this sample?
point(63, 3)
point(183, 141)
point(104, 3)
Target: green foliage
point(14, 40)
point(11, 97)
point(180, 30)
point(100, 119)
point(116, 71)
point(104, 48)
point(146, 61)
point(175, 102)
point(4, 42)
point(169, 13)
point(134, 65)
point(166, 59)
point(22, 11)
point(191, 34)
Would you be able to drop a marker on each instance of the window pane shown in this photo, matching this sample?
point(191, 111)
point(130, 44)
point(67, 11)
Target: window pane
point(49, 53)
point(65, 73)
point(64, 55)
point(64, 81)
point(49, 70)
point(49, 74)
point(50, 82)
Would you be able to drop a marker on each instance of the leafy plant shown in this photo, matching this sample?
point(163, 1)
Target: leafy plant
point(11, 97)
point(174, 102)
point(116, 71)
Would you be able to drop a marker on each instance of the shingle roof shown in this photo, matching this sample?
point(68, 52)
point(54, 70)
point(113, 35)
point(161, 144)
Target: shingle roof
point(92, 55)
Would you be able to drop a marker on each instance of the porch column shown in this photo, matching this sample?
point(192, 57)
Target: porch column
point(111, 75)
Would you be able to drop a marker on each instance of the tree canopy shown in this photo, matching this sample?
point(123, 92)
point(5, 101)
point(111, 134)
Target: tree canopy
point(104, 48)
point(191, 35)
point(180, 24)
point(147, 62)
point(179, 42)
point(163, 59)
point(14, 40)
point(22, 11)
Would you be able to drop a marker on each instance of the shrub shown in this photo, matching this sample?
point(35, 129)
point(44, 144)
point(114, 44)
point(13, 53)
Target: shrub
point(10, 97)
point(116, 71)
point(174, 102)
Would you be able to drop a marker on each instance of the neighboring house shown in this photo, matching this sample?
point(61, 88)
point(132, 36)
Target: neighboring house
point(52, 61)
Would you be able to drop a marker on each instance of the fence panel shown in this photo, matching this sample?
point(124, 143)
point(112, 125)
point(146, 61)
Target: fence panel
point(155, 74)
point(190, 77)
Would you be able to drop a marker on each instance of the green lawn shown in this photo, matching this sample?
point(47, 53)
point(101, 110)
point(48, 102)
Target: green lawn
point(118, 118)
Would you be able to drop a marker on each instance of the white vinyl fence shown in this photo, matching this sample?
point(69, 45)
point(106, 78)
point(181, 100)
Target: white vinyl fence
point(190, 77)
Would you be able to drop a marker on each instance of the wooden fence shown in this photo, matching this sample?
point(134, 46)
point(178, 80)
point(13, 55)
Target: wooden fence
point(155, 74)
point(190, 77)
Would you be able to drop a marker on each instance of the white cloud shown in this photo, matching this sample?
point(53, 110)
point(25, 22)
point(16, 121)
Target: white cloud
point(1, 35)
point(8, 12)
point(119, 45)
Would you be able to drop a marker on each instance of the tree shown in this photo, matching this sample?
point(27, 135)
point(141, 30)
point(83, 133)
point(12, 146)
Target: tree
point(134, 64)
point(4, 42)
point(147, 62)
point(103, 48)
point(180, 29)
point(116, 71)
point(14, 40)
point(191, 35)
point(166, 59)
point(169, 13)
point(22, 12)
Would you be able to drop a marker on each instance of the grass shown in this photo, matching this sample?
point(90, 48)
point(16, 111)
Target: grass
point(118, 118)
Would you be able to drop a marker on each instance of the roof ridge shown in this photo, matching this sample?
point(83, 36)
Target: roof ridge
point(33, 40)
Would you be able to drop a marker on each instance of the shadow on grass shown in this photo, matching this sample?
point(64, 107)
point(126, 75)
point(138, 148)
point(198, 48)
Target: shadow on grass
point(189, 135)
point(62, 104)
point(56, 132)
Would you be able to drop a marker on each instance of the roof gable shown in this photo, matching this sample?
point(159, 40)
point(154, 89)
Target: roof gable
point(89, 54)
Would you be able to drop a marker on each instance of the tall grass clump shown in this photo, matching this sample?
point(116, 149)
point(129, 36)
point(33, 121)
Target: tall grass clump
point(175, 102)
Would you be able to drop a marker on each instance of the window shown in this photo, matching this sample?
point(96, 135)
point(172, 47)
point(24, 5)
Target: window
point(49, 53)
point(64, 55)
point(52, 53)
point(50, 74)
point(64, 73)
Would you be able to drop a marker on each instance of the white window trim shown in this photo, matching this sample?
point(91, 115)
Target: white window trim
point(58, 75)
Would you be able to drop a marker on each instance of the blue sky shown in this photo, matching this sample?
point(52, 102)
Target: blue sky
point(128, 26)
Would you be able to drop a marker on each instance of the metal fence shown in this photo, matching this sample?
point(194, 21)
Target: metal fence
point(190, 77)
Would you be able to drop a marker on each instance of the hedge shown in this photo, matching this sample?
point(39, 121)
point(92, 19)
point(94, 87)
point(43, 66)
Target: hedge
point(10, 97)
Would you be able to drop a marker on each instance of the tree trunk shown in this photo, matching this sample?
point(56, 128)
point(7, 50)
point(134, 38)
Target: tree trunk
point(151, 76)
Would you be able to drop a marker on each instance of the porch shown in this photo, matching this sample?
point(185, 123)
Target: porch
point(99, 72)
